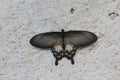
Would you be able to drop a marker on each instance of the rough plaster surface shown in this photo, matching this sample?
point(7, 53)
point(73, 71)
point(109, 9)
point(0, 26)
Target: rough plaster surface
point(22, 19)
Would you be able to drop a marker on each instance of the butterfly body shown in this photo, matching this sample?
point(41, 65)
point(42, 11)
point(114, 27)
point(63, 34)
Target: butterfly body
point(63, 44)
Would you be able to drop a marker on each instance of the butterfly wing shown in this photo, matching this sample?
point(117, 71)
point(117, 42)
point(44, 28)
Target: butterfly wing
point(79, 38)
point(46, 40)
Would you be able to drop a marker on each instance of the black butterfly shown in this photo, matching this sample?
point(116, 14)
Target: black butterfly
point(63, 44)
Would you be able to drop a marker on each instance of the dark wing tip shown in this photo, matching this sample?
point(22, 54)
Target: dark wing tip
point(92, 38)
point(32, 41)
point(36, 41)
point(95, 37)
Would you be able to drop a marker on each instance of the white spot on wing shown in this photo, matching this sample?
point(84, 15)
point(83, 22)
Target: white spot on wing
point(58, 48)
point(69, 47)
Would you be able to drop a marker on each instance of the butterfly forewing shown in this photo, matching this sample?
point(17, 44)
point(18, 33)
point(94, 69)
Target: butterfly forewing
point(46, 40)
point(79, 38)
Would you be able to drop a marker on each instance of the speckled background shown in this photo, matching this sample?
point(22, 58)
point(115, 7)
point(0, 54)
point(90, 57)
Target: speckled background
point(22, 19)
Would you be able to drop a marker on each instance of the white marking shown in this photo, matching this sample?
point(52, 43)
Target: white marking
point(69, 47)
point(58, 48)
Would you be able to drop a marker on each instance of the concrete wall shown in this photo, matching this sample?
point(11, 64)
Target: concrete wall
point(22, 19)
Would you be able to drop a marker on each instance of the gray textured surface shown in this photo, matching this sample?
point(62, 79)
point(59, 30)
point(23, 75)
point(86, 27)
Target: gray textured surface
point(22, 19)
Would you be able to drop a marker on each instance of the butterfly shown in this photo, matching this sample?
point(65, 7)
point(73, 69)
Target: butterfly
point(63, 44)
